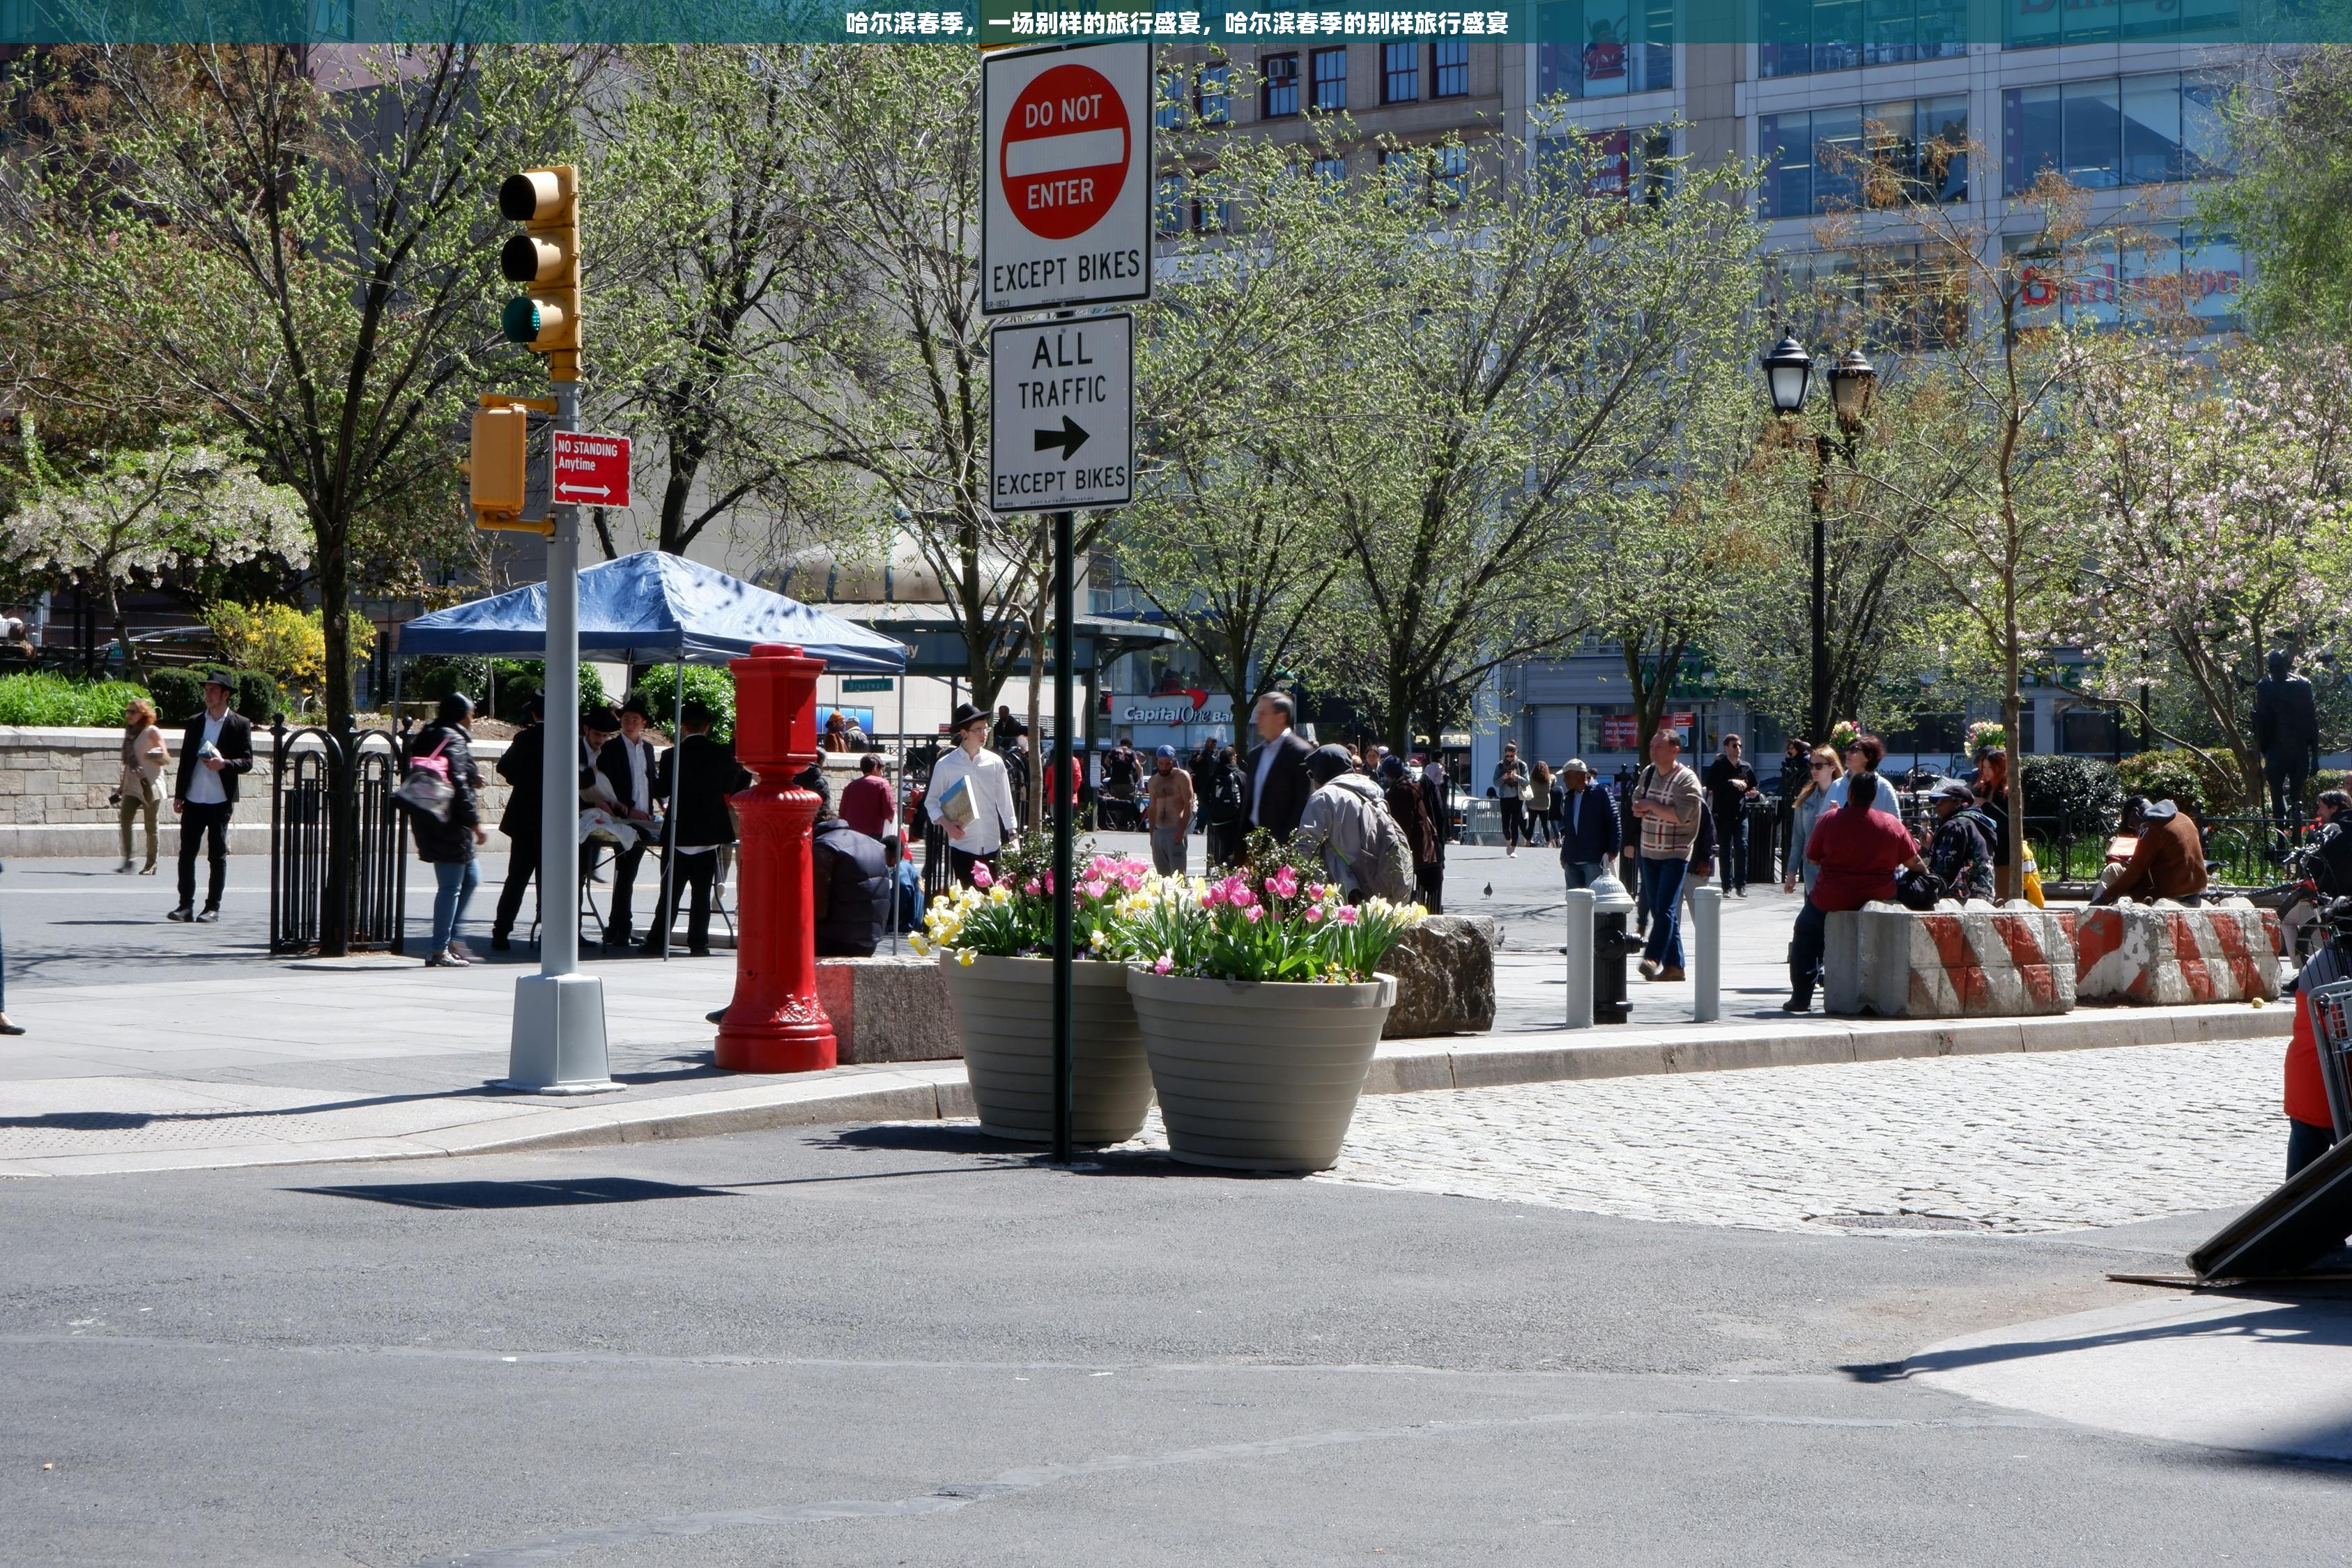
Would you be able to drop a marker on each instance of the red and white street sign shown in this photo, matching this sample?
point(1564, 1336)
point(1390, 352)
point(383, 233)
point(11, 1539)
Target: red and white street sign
point(1064, 157)
point(589, 470)
point(1065, 207)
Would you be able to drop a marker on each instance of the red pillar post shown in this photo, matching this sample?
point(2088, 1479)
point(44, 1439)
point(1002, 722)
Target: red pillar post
point(775, 1022)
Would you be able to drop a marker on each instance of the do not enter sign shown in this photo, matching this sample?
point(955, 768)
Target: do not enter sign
point(1065, 211)
point(1064, 159)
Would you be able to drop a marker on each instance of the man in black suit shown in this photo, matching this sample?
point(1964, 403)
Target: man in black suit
point(215, 751)
point(1278, 784)
point(697, 776)
point(626, 767)
point(524, 767)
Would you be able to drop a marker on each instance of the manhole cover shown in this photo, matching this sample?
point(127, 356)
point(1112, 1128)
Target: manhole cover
point(1899, 1222)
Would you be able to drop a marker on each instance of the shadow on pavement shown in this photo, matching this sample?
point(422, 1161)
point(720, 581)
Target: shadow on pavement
point(556, 1193)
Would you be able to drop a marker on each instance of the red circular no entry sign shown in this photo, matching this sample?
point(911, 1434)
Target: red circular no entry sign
point(1064, 154)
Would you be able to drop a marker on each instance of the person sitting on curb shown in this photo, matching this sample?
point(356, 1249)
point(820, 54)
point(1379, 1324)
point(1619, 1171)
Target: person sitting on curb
point(2168, 861)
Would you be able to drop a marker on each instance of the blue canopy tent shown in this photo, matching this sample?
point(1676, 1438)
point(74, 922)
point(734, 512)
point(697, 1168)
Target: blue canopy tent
point(651, 606)
point(653, 603)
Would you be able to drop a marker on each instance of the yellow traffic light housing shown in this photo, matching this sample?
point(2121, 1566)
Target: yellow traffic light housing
point(546, 258)
point(499, 465)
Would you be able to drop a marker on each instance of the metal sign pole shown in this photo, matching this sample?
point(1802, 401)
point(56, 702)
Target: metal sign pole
point(557, 1044)
point(1064, 798)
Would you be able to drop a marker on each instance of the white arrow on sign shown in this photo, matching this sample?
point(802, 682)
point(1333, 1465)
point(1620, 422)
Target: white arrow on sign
point(1062, 413)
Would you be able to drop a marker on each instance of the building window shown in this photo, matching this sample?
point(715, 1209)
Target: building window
point(1631, 165)
point(1815, 162)
point(1449, 183)
point(1168, 208)
point(2033, 26)
point(2115, 130)
point(2136, 273)
point(1331, 171)
point(1402, 168)
point(1797, 37)
point(1400, 73)
point(1449, 69)
point(1604, 49)
point(1907, 298)
point(1167, 109)
point(1279, 94)
point(1213, 101)
point(1328, 71)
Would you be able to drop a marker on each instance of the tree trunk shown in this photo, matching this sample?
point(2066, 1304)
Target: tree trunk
point(130, 665)
point(335, 619)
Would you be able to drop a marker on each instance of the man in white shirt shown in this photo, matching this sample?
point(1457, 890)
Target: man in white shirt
point(974, 836)
point(626, 766)
point(215, 753)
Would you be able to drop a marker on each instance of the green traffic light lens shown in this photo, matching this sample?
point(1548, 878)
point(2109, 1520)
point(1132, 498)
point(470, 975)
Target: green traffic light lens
point(521, 321)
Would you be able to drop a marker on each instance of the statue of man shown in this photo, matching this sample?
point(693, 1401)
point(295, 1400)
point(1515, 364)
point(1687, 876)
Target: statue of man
point(2286, 732)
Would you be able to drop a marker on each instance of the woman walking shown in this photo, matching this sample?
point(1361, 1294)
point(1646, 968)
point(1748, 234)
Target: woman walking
point(1539, 798)
point(1812, 800)
point(140, 792)
point(447, 842)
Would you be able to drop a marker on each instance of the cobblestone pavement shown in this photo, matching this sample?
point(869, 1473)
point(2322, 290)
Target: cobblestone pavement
point(2012, 1143)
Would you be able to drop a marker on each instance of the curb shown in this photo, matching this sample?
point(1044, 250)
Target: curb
point(933, 1092)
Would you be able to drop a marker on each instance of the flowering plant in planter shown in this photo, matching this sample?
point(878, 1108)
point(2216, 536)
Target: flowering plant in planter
point(1842, 735)
point(1011, 913)
point(1261, 927)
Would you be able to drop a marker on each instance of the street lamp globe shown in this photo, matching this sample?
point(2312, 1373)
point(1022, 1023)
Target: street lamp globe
point(1787, 370)
point(1854, 383)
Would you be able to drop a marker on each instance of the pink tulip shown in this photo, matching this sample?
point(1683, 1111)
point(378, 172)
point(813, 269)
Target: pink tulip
point(1030, 887)
point(1344, 914)
point(1094, 889)
point(980, 876)
point(1164, 965)
point(1314, 914)
point(1257, 913)
point(1283, 884)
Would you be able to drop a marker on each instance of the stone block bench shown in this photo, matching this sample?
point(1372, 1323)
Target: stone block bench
point(1444, 971)
point(1957, 961)
point(888, 1008)
point(2167, 954)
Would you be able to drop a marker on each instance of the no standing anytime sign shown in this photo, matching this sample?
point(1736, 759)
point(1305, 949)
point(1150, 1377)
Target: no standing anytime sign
point(1066, 185)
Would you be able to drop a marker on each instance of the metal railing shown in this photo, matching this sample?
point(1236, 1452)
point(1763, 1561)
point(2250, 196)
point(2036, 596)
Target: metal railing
point(336, 886)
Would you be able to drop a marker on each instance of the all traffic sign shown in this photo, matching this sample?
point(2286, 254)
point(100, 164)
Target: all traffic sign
point(590, 470)
point(1066, 209)
point(1062, 413)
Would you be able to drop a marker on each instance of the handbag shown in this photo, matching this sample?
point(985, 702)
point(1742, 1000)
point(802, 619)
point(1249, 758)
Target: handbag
point(426, 787)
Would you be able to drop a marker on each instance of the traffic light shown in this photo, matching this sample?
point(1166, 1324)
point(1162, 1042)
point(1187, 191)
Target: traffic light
point(500, 471)
point(545, 255)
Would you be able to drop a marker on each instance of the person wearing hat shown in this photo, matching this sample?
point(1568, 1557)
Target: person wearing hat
point(697, 776)
point(971, 796)
point(1589, 831)
point(597, 725)
point(1960, 854)
point(626, 764)
point(217, 751)
point(1343, 819)
point(1168, 812)
point(2167, 862)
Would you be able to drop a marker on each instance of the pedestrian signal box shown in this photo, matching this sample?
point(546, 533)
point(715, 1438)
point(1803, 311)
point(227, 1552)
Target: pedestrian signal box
point(507, 464)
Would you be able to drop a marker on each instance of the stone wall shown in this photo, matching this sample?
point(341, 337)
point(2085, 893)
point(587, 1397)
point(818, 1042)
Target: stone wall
point(54, 783)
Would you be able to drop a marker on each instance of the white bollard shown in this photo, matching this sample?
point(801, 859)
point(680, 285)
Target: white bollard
point(1579, 958)
point(1706, 953)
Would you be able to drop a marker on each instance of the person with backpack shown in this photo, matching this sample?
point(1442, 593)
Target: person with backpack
point(1363, 848)
point(1410, 808)
point(443, 752)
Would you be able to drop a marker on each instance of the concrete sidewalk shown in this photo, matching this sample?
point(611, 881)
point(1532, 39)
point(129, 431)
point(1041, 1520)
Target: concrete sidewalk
point(161, 1046)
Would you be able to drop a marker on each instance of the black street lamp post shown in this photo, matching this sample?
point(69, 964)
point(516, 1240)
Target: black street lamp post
point(1854, 383)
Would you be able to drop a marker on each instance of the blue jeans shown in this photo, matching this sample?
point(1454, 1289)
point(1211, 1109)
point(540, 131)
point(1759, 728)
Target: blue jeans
point(1662, 887)
point(1582, 873)
point(453, 883)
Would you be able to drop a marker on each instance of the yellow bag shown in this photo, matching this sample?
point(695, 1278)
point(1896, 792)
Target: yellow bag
point(2033, 886)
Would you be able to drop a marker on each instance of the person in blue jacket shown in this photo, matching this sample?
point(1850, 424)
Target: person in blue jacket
point(1588, 835)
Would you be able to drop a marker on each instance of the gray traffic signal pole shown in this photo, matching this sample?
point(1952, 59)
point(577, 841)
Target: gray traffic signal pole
point(558, 1044)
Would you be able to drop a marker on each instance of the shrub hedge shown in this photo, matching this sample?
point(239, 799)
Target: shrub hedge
point(40, 698)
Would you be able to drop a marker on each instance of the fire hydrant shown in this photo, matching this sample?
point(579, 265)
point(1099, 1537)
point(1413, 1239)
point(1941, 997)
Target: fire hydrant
point(1613, 944)
point(775, 1022)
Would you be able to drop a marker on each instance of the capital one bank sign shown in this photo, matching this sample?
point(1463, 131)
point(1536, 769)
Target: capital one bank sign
point(1194, 707)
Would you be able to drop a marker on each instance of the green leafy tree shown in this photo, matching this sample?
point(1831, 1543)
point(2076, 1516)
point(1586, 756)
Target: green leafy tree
point(2290, 204)
point(310, 261)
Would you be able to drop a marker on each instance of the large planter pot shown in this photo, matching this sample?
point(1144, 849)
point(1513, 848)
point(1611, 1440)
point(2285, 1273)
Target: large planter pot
point(1004, 1011)
point(1259, 1076)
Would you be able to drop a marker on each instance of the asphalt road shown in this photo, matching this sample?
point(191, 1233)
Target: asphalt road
point(905, 1345)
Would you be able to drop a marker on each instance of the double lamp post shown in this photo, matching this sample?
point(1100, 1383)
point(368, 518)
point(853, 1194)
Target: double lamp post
point(1853, 382)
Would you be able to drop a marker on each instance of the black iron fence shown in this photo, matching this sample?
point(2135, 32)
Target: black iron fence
point(338, 842)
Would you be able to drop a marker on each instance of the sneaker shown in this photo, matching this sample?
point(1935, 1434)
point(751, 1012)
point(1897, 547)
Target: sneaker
point(461, 952)
point(1671, 972)
point(207, 916)
point(444, 959)
point(182, 915)
point(1739, 892)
